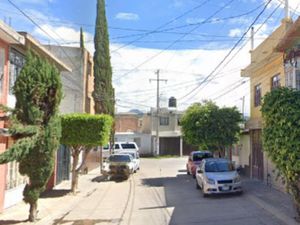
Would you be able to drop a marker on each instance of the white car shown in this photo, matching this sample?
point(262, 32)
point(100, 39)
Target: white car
point(125, 146)
point(119, 165)
point(119, 147)
point(216, 175)
point(136, 159)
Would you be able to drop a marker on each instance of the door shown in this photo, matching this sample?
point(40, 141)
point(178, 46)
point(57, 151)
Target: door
point(169, 146)
point(257, 155)
point(63, 164)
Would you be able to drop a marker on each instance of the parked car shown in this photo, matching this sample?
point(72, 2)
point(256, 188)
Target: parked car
point(119, 165)
point(126, 146)
point(136, 159)
point(195, 159)
point(217, 175)
point(122, 146)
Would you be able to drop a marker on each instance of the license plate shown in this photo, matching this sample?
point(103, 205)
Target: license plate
point(225, 188)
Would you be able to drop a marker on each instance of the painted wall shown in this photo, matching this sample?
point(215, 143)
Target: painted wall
point(3, 100)
point(143, 140)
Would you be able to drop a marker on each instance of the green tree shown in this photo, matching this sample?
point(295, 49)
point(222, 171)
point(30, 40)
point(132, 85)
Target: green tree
point(35, 125)
point(208, 126)
point(103, 93)
point(281, 136)
point(81, 133)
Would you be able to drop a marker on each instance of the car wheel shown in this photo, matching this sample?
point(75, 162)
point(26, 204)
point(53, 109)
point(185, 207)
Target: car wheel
point(203, 193)
point(197, 185)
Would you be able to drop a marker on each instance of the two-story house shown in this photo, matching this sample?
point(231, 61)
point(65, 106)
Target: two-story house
point(266, 72)
point(13, 47)
point(78, 86)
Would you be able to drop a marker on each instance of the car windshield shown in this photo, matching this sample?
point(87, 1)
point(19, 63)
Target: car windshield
point(223, 166)
point(128, 146)
point(119, 158)
point(131, 153)
point(198, 156)
point(106, 147)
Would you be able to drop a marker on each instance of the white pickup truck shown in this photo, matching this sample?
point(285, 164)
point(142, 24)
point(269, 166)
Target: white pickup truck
point(125, 146)
point(119, 147)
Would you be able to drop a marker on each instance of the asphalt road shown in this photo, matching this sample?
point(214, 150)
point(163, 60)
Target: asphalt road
point(159, 194)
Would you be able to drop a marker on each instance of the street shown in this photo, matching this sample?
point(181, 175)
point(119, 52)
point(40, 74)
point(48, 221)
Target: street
point(159, 194)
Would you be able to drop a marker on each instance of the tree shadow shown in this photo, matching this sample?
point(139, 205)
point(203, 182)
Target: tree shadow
point(103, 178)
point(11, 222)
point(55, 193)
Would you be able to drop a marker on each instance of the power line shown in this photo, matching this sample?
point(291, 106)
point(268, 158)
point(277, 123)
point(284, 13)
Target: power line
point(231, 50)
point(165, 24)
point(44, 31)
point(173, 43)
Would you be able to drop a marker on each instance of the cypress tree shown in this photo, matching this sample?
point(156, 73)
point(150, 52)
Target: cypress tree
point(81, 38)
point(103, 93)
point(35, 126)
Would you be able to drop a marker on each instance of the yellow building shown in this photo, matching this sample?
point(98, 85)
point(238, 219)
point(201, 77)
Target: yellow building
point(266, 71)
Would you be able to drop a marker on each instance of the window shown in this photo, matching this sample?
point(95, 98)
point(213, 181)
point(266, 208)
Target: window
point(17, 61)
point(140, 122)
point(275, 82)
point(2, 64)
point(164, 121)
point(14, 178)
point(257, 95)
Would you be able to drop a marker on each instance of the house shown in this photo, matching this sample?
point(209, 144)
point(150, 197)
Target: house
point(171, 141)
point(13, 47)
point(266, 72)
point(78, 86)
point(132, 126)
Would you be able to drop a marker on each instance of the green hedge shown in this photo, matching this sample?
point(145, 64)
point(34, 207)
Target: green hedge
point(85, 129)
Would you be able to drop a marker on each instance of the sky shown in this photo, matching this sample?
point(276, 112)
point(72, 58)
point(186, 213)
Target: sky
point(198, 46)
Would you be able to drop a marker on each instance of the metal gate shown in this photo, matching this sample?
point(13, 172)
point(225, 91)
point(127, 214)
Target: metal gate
point(169, 146)
point(257, 155)
point(63, 164)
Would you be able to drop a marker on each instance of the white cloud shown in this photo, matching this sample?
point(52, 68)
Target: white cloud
point(127, 16)
point(235, 32)
point(66, 36)
point(184, 69)
point(134, 89)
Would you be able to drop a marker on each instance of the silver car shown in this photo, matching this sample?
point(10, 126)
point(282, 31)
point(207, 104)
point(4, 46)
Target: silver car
point(217, 175)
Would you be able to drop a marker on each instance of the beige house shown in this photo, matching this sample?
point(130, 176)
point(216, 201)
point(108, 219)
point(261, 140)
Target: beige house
point(266, 72)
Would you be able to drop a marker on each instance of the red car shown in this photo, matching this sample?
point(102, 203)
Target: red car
point(195, 159)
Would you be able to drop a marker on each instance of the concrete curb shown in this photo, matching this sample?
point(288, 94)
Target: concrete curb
point(272, 210)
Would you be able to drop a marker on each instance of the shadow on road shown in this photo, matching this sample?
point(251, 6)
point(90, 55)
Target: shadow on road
point(103, 178)
point(55, 193)
point(182, 195)
point(11, 222)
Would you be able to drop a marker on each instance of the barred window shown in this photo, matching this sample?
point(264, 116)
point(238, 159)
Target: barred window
point(164, 121)
point(257, 95)
point(275, 82)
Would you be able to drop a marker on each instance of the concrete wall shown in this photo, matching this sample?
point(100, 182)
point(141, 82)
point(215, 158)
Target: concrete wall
point(143, 140)
point(73, 82)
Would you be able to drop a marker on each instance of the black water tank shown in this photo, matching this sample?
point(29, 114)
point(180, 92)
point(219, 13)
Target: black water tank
point(172, 102)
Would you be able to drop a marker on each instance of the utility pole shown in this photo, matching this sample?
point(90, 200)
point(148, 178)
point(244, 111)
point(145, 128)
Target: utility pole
point(243, 106)
point(157, 111)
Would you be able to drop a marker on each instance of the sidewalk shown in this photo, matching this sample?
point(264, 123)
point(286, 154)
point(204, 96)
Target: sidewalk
point(279, 204)
point(53, 204)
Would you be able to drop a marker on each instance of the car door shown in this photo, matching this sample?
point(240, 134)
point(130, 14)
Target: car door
point(200, 176)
